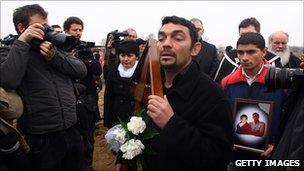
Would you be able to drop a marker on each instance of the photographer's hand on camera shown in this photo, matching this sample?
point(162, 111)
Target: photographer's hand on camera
point(33, 31)
point(36, 31)
point(47, 49)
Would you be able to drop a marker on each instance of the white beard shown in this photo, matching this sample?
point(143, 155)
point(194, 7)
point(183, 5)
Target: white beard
point(284, 56)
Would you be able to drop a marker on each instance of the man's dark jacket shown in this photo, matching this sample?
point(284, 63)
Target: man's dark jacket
point(45, 87)
point(94, 70)
point(291, 130)
point(199, 134)
point(207, 58)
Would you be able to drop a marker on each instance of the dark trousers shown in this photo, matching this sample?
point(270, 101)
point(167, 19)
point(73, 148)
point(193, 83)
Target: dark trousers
point(88, 138)
point(58, 151)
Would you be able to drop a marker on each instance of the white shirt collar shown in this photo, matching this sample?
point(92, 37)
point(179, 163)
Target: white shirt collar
point(251, 79)
point(126, 72)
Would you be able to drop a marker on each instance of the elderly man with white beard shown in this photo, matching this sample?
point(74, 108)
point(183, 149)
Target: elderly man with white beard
point(278, 44)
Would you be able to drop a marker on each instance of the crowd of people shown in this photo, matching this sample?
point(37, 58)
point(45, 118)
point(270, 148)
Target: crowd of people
point(59, 91)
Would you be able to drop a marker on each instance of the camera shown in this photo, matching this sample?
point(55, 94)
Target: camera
point(113, 38)
point(83, 50)
point(82, 45)
point(96, 56)
point(62, 41)
point(282, 78)
point(9, 39)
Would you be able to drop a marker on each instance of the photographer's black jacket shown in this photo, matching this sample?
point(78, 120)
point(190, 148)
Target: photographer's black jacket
point(90, 93)
point(45, 87)
point(207, 58)
point(94, 70)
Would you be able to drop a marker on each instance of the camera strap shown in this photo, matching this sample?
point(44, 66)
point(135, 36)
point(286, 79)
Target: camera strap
point(272, 61)
point(23, 143)
point(221, 63)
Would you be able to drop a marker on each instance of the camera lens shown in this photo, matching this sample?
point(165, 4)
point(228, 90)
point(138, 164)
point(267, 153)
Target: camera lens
point(281, 78)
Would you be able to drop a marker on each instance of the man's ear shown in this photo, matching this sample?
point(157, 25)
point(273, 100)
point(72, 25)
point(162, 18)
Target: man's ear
point(264, 51)
point(196, 48)
point(20, 28)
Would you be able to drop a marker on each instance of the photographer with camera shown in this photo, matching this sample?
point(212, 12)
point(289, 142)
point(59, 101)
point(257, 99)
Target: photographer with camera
point(43, 78)
point(113, 39)
point(87, 106)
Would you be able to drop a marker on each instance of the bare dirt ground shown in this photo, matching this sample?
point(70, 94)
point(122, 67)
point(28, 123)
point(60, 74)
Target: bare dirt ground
point(103, 159)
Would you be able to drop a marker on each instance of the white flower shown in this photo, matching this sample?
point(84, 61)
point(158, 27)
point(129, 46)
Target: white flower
point(116, 136)
point(120, 135)
point(131, 149)
point(136, 125)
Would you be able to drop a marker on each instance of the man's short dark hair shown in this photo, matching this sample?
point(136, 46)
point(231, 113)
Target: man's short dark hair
point(71, 20)
point(55, 26)
point(184, 22)
point(252, 38)
point(228, 48)
point(250, 22)
point(255, 114)
point(22, 14)
point(243, 116)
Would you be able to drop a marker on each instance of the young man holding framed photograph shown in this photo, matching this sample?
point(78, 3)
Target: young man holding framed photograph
point(248, 82)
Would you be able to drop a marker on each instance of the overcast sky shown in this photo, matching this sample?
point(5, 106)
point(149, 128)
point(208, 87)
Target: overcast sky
point(220, 18)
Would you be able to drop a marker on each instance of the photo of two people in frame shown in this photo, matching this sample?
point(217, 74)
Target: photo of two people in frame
point(252, 123)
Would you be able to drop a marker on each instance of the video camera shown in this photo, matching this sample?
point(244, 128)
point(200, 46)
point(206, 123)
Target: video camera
point(9, 39)
point(113, 38)
point(60, 40)
point(84, 45)
point(282, 78)
point(83, 50)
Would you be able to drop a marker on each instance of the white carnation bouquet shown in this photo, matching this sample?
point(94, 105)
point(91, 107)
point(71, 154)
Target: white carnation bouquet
point(128, 137)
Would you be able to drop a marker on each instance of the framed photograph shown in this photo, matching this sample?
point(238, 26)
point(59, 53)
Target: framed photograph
point(252, 124)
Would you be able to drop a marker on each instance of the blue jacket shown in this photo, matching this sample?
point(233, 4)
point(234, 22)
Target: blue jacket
point(235, 85)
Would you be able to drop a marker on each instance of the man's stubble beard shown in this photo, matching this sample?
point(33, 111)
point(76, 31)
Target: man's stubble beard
point(168, 66)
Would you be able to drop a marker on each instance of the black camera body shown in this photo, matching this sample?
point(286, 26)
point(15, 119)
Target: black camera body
point(83, 50)
point(9, 39)
point(114, 37)
point(82, 45)
point(289, 141)
point(283, 78)
point(62, 41)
